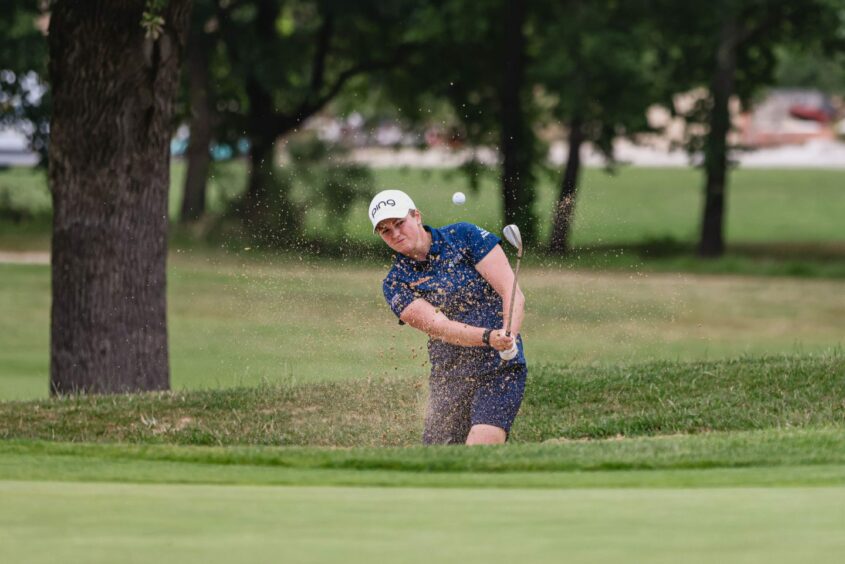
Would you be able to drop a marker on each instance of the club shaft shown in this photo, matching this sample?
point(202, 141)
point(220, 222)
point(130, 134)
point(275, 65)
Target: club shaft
point(513, 295)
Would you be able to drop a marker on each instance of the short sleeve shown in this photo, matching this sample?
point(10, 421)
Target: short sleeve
point(397, 294)
point(477, 241)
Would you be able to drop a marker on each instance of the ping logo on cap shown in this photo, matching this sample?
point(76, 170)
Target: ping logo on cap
point(381, 204)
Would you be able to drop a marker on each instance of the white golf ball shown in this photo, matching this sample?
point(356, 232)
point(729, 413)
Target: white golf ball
point(458, 198)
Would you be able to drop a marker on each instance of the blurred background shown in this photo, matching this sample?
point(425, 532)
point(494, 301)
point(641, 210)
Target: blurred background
point(678, 172)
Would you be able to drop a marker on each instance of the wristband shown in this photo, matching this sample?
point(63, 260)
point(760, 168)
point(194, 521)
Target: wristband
point(485, 338)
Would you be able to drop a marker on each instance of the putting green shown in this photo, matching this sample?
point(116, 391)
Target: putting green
point(84, 522)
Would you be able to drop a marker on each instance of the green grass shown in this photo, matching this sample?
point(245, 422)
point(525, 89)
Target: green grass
point(648, 204)
point(575, 402)
point(779, 222)
point(771, 493)
point(684, 457)
point(428, 466)
point(634, 206)
point(235, 320)
point(760, 496)
point(179, 523)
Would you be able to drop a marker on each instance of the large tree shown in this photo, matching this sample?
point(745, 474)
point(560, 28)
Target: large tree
point(114, 82)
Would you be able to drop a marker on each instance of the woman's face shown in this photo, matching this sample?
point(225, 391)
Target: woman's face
point(404, 235)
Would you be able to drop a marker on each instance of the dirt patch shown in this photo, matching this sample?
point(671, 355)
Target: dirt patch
point(28, 257)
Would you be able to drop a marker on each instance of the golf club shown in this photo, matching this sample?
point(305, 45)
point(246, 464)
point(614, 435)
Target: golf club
point(512, 236)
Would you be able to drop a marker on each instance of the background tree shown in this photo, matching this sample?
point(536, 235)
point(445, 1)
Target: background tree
point(730, 47)
point(599, 74)
point(293, 58)
point(486, 95)
point(801, 67)
point(517, 144)
point(202, 43)
point(114, 83)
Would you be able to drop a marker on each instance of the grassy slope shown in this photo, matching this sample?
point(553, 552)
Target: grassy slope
point(633, 400)
point(769, 495)
point(238, 320)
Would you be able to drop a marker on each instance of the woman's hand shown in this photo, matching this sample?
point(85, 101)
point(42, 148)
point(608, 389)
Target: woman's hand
point(500, 341)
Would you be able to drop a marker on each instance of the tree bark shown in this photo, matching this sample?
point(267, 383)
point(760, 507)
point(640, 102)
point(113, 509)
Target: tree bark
point(712, 242)
point(113, 93)
point(198, 157)
point(565, 207)
point(517, 190)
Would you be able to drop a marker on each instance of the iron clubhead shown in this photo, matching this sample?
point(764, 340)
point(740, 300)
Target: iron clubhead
point(512, 236)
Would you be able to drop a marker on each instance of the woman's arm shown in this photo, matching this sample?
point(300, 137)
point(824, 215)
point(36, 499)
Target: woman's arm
point(496, 269)
point(423, 316)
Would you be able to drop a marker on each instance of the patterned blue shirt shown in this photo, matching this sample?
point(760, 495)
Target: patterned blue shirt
point(448, 280)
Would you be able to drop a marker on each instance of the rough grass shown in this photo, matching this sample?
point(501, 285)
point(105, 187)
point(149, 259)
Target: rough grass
point(237, 321)
point(561, 403)
point(376, 412)
point(672, 397)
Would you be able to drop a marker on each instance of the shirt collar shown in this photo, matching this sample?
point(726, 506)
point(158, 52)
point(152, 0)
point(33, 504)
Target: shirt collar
point(436, 242)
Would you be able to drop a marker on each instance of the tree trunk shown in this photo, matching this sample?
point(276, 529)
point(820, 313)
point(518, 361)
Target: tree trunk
point(267, 211)
point(262, 137)
point(517, 187)
point(113, 94)
point(199, 159)
point(565, 207)
point(712, 242)
point(256, 206)
point(268, 214)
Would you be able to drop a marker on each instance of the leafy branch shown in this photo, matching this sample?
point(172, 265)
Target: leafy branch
point(152, 19)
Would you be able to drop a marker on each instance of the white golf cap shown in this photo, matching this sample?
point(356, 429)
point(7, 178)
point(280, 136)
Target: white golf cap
point(390, 204)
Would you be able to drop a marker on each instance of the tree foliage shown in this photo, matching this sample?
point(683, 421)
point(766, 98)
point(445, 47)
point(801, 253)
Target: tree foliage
point(599, 73)
point(730, 47)
point(24, 96)
point(475, 60)
point(289, 59)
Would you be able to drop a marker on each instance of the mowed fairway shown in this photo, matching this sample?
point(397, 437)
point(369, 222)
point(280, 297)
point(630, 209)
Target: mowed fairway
point(44, 522)
point(778, 498)
point(633, 206)
point(238, 321)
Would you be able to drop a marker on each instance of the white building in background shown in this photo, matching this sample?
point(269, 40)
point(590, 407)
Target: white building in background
point(14, 149)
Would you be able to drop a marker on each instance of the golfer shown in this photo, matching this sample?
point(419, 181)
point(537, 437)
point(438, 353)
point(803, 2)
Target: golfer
point(454, 284)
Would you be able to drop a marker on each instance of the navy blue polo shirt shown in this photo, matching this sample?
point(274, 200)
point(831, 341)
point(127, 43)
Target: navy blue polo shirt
point(448, 280)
